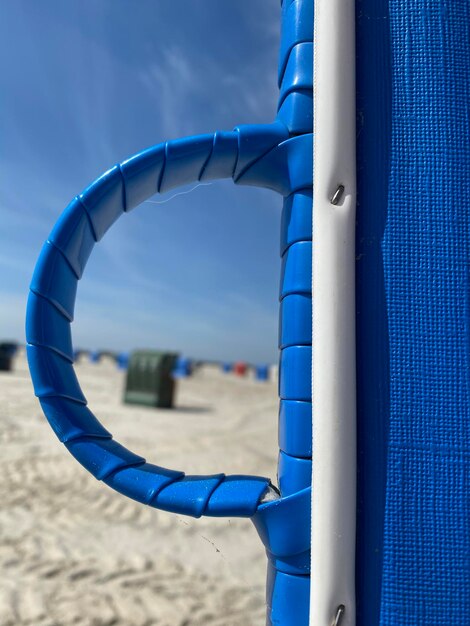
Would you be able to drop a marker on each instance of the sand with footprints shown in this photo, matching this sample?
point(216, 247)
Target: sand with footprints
point(72, 551)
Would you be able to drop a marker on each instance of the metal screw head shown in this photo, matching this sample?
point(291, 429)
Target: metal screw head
point(338, 195)
point(338, 618)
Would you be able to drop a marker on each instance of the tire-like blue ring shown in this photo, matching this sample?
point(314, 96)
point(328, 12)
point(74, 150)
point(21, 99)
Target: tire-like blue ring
point(51, 308)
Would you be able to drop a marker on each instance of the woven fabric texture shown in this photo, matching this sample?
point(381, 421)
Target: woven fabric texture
point(426, 252)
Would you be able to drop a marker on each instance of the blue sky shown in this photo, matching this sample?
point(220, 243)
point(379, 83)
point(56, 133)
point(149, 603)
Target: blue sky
point(86, 84)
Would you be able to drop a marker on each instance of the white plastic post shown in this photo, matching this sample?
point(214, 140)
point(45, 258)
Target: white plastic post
point(334, 351)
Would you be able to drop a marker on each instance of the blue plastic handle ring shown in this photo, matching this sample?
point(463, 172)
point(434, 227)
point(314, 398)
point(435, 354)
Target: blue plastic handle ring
point(51, 307)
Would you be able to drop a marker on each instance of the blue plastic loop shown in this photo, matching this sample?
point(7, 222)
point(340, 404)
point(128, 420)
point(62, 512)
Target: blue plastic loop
point(295, 428)
point(294, 473)
point(237, 495)
point(288, 599)
point(296, 272)
point(141, 174)
point(190, 495)
point(70, 420)
point(142, 482)
point(277, 156)
point(254, 142)
point(104, 200)
point(102, 456)
point(299, 71)
point(48, 327)
point(296, 565)
point(295, 320)
point(51, 306)
point(53, 375)
point(295, 373)
point(296, 220)
point(284, 525)
point(297, 27)
point(185, 160)
point(296, 112)
point(55, 280)
point(74, 237)
point(224, 156)
point(286, 168)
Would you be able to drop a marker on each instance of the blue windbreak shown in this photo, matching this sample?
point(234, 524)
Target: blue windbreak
point(413, 251)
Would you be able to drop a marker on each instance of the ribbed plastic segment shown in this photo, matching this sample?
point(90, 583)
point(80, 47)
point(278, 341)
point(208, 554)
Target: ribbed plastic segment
point(255, 141)
point(104, 200)
point(299, 71)
point(295, 373)
point(101, 457)
point(70, 419)
point(55, 280)
point(141, 174)
point(294, 473)
point(295, 320)
point(224, 156)
point(73, 236)
point(296, 271)
point(297, 27)
point(142, 482)
point(296, 221)
point(53, 375)
point(188, 496)
point(46, 326)
point(295, 428)
point(185, 161)
point(237, 496)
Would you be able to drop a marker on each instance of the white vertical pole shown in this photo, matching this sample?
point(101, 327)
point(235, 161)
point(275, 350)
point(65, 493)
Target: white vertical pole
point(334, 352)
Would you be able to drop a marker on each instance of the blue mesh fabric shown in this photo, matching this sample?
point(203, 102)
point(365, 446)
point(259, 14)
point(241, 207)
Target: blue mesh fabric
point(418, 409)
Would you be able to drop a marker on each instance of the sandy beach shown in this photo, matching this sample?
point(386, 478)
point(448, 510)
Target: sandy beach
point(72, 551)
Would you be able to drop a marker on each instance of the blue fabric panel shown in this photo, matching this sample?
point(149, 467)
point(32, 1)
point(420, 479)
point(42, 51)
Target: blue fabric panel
point(373, 87)
point(426, 250)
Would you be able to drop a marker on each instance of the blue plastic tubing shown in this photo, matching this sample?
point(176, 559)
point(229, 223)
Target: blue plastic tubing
point(277, 156)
